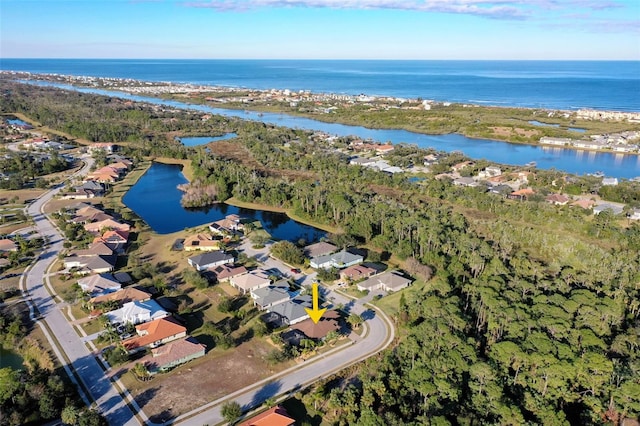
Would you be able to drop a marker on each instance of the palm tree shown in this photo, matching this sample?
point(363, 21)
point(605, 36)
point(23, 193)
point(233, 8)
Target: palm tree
point(355, 321)
point(69, 415)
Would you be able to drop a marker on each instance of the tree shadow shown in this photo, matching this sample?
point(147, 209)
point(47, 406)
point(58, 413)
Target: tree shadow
point(369, 314)
point(165, 416)
point(145, 397)
point(245, 336)
point(269, 390)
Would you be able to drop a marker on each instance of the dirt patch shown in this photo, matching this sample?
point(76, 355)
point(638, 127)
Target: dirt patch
point(19, 196)
point(207, 379)
point(506, 132)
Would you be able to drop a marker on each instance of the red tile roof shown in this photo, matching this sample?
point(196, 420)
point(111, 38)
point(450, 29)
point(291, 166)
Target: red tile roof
point(154, 331)
point(276, 416)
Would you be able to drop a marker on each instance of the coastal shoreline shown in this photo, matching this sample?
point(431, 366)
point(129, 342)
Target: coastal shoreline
point(188, 94)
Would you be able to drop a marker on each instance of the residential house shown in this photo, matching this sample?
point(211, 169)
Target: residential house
point(94, 189)
point(137, 312)
point(91, 264)
point(173, 354)
point(521, 194)
point(224, 273)
point(319, 330)
point(122, 296)
point(609, 181)
point(229, 225)
point(94, 217)
point(460, 166)
point(387, 281)
point(250, 281)
point(98, 248)
point(202, 242)
point(319, 249)
point(108, 224)
point(465, 181)
point(361, 161)
point(502, 189)
point(210, 260)
point(99, 284)
point(615, 209)
point(154, 333)
point(266, 297)
point(356, 272)
point(546, 140)
point(107, 147)
point(292, 311)
point(115, 236)
point(276, 416)
point(489, 172)
point(557, 199)
point(585, 204)
point(8, 245)
point(338, 260)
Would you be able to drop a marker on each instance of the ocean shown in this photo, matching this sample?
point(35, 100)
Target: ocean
point(567, 85)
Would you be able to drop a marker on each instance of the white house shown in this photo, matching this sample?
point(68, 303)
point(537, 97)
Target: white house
point(137, 312)
point(99, 284)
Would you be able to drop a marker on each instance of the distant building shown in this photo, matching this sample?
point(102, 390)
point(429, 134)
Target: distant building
point(613, 208)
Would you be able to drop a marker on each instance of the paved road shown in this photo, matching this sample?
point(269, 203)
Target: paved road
point(380, 334)
point(109, 401)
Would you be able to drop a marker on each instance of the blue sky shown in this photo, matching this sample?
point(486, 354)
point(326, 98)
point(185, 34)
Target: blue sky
point(321, 29)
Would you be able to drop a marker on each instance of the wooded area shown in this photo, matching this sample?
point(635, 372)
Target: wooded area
point(533, 313)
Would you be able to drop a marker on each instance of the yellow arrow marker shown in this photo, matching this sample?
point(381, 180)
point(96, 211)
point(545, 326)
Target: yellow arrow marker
point(315, 313)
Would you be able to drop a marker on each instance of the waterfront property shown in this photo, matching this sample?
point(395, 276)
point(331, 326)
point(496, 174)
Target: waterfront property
point(321, 248)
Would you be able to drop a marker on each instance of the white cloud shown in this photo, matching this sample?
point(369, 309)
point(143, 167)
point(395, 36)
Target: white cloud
point(498, 9)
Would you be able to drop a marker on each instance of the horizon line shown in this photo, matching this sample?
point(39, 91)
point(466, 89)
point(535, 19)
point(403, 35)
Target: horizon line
point(321, 59)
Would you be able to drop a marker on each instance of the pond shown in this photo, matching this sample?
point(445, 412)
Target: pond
point(541, 124)
point(17, 122)
point(156, 199)
point(10, 359)
point(202, 140)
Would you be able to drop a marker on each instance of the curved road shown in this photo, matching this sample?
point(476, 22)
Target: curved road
point(109, 401)
point(380, 333)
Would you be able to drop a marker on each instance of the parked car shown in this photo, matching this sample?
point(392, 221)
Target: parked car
point(295, 270)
